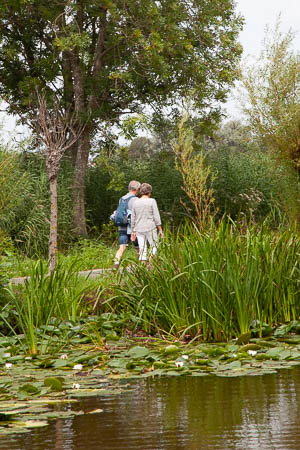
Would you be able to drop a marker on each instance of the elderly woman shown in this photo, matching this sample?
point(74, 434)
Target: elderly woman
point(145, 220)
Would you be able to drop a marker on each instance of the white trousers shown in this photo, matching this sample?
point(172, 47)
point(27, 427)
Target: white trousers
point(144, 238)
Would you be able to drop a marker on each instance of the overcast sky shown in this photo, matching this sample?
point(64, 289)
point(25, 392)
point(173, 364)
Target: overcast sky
point(257, 14)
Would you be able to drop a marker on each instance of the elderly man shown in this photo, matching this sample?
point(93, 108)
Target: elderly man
point(124, 230)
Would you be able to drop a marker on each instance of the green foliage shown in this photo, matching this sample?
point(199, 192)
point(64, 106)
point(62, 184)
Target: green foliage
point(159, 171)
point(44, 297)
point(109, 59)
point(91, 254)
point(272, 87)
point(26, 219)
point(247, 183)
point(197, 176)
point(273, 105)
point(212, 285)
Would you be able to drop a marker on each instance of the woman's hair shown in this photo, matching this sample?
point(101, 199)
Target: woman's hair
point(145, 189)
point(134, 185)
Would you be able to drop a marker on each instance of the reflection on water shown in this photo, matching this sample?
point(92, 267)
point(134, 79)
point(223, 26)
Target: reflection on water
point(182, 413)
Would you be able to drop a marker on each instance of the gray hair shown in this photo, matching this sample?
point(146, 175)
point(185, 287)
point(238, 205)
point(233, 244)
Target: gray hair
point(146, 189)
point(134, 185)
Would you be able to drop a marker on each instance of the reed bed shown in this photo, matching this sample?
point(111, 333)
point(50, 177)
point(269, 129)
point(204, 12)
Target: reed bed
point(216, 284)
point(45, 300)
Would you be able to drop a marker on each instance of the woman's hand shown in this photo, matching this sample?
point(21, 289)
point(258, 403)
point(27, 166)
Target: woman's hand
point(160, 231)
point(133, 236)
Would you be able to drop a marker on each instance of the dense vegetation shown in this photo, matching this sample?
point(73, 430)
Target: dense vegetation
point(228, 195)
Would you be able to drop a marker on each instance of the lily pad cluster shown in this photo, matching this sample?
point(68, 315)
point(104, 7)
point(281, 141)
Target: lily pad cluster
point(31, 395)
point(36, 388)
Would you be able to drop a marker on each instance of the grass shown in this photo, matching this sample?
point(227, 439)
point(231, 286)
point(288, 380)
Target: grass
point(88, 253)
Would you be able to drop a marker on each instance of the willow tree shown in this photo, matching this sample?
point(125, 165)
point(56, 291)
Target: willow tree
point(272, 106)
point(107, 58)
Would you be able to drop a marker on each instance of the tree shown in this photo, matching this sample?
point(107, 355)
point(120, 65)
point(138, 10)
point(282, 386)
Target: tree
point(56, 133)
point(272, 105)
point(141, 148)
point(107, 58)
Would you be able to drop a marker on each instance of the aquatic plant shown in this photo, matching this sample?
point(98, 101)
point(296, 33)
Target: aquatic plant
point(46, 299)
point(215, 283)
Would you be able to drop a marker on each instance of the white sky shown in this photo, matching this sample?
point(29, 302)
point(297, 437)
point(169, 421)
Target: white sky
point(257, 14)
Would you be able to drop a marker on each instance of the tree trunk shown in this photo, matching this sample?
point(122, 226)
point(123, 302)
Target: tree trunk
point(53, 223)
point(79, 220)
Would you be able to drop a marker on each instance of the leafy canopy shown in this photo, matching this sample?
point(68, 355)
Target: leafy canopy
point(110, 57)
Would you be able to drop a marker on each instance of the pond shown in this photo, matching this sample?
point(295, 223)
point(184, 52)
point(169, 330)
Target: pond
point(182, 412)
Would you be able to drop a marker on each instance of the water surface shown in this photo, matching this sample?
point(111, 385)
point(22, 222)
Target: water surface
point(181, 413)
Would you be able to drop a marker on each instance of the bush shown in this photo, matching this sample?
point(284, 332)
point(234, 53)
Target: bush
point(26, 220)
point(102, 195)
point(246, 183)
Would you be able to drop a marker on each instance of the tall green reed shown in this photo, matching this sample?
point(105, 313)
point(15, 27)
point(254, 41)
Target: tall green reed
point(214, 284)
point(45, 297)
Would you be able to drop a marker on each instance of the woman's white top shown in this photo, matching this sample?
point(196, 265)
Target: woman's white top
point(145, 215)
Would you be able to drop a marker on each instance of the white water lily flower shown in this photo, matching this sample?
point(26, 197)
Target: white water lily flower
point(28, 357)
point(7, 355)
point(76, 386)
point(64, 356)
point(252, 352)
point(234, 355)
point(77, 367)
point(8, 365)
point(178, 363)
point(185, 357)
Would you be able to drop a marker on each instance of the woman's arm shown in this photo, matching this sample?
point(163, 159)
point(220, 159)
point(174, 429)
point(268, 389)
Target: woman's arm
point(156, 217)
point(160, 230)
point(132, 222)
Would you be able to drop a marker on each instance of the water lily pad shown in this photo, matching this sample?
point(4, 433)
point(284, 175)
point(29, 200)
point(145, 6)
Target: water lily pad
point(55, 384)
point(214, 351)
point(247, 347)
point(263, 343)
point(118, 363)
point(201, 362)
point(199, 374)
point(29, 389)
point(138, 352)
point(244, 338)
point(172, 373)
point(232, 348)
point(31, 424)
point(171, 349)
point(263, 356)
point(232, 365)
point(293, 340)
